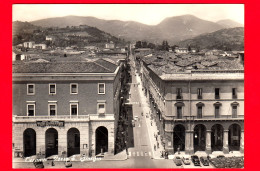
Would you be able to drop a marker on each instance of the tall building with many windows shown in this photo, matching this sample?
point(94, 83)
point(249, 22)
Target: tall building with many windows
point(66, 107)
point(198, 102)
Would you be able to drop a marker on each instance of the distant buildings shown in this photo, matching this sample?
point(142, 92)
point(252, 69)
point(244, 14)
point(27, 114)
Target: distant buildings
point(35, 46)
point(110, 45)
point(181, 50)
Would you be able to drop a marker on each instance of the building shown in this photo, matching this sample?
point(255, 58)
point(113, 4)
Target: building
point(196, 109)
point(181, 50)
point(19, 55)
point(110, 45)
point(66, 108)
point(40, 46)
point(28, 44)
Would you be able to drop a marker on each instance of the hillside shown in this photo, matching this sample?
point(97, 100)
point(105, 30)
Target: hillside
point(229, 23)
point(172, 29)
point(224, 39)
point(66, 36)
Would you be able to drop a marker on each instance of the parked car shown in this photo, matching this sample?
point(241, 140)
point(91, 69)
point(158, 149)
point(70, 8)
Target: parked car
point(220, 156)
point(68, 163)
point(204, 161)
point(195, 160)
point(186, 160)
point(38, 164)
point(177, 161)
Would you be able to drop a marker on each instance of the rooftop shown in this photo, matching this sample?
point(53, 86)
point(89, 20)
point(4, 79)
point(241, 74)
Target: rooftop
point(95, 66)
point(168, 65)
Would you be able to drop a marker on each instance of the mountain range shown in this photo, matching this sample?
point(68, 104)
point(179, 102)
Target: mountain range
point(224, 39)
point(172, 29)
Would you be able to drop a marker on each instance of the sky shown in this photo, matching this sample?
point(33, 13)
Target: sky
point(150, 14)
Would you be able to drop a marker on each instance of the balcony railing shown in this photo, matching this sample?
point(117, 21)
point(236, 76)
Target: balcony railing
point(58, 117)
point(209, 117)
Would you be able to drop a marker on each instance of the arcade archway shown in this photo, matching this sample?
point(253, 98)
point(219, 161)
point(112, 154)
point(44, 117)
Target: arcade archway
point(51, 142)
point(179, 138)
point(234, 134)
point(217, 137)
point(199, 138)
point(101, 140)
point(73, 141)
point(29, 142)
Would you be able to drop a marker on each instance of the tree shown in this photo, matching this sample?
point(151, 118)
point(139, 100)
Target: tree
point(189, 48)
point(138, 44)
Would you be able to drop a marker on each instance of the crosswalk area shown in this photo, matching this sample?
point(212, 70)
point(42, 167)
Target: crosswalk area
point(139, 154)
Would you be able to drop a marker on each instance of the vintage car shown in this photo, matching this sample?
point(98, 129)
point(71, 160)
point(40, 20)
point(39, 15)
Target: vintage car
point(186, 160)
point(38, 164)
point(177, 161)
point(68, 163)
point(204, 161)
point(195, 160)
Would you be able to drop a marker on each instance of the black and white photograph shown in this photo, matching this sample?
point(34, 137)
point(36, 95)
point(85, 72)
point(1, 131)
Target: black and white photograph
point(128, 86)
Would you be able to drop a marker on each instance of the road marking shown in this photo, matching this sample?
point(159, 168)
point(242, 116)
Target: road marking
point(149, 153)
point(137, 153)
point(142, 154)
point(129, 153)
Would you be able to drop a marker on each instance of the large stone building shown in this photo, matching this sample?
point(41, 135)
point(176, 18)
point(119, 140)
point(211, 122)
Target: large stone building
point(66, 107)
point(197, 101)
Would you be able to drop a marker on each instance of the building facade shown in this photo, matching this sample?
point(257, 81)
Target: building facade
point(65, 108)
point(197, 110)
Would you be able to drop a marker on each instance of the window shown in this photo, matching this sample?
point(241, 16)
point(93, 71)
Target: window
point(217, 112)
point(74, 109)
point(73, 88)
point(101, 88)
point(52, 109)
point(199, 111)
point(217, 93)
point(234, 93)
point(234, 111)
point(52, 88)
point(178, 92)
point(31, 109)
point(101, 108)
point(30, 89)
point(199, 93)
point(179, 112)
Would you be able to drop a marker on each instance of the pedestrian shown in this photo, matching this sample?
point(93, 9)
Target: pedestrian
point(151, 123)
point(154, 135)
point(154, 147)
point(157, 144)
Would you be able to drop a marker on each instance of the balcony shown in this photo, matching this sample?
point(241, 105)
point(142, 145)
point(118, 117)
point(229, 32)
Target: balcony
point(178, 97)
point(59, 117)
point(66, 118)
point(217, 97)
point(207, 118)
point(234, 96)
point(199, 96)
